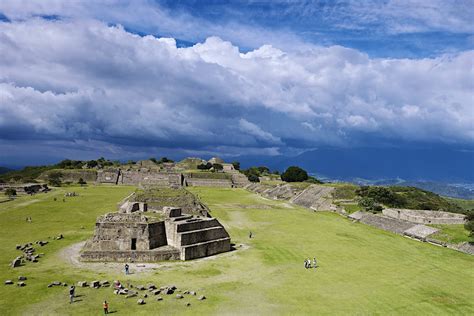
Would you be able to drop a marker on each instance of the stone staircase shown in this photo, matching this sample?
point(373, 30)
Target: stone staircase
point(239, 180)
point(316, 197)
point(386, 223)
point(196, 237)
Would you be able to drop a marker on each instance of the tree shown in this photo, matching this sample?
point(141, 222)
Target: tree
point(369, 204)
point(383, 195)
point(253, 178)
point(164, 159)
point(92, 164)
point(217, 166)
point(236, 165)
point(54, 178)
point(294, 174)
point(10, 192)
point(81, 182)
point(469, 225)
point(154, 160)
point(206, 166)
point(263, 169)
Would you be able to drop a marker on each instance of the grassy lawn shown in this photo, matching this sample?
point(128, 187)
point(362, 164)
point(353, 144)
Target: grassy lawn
point(351, 208)
point(465, 204)
point(362, 270)
point(452, 234)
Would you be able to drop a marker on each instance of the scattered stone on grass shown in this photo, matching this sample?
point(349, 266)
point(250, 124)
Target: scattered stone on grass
point(95, 284)
point(140, 287)
point(16, 262)
point(179, 296)
point(21, 284)
point(168, 291)
point(141, 302)
point(201, 298)
point(192, 293)
point(8, 282)
point(156, 292)
point(159, 298)
point(22, 278)
point(82, 284)
point(105, 283)
point(188, 304)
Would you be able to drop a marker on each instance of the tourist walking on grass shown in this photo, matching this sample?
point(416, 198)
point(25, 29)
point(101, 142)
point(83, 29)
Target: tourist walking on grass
point(106, 307)
point(126, 268)
point(314, 262)
point(72, 289)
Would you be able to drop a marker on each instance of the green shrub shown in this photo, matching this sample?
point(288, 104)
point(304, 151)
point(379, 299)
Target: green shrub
point(294, 174)
point(253, 178)
point(10, 192)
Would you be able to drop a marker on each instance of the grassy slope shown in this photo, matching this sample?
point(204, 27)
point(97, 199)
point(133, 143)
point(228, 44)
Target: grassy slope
point(465, 204)
point(362, 269)
point(452, 234)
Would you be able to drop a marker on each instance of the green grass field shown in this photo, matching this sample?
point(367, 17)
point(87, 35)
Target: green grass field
point(452, 234)
point(362, 270)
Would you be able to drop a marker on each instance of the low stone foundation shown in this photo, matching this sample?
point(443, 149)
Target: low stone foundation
point(424, 216)
point(159, 254)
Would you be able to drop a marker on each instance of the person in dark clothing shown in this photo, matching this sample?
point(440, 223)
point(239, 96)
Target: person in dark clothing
point(106, 307)
point(127, 267)
point(72, 291)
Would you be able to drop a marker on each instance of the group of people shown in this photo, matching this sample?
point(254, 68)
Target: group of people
point(307, 263)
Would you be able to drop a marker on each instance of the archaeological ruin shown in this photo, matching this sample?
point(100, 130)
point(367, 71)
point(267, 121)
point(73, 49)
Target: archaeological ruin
point(135, 235)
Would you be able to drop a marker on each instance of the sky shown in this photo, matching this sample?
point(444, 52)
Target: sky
point(136, 79)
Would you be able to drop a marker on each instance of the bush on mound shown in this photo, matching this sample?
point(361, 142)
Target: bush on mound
point(294, 174)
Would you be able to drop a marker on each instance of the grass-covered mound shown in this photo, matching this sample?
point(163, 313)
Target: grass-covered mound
point(362, 270)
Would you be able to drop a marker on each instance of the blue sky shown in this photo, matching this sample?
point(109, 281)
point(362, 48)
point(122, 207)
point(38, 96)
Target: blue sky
point(129, 80)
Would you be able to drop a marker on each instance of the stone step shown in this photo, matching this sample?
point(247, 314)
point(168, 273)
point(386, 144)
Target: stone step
point(198, 224)
point(205, 249)
point(201, 235)
point(181, 218)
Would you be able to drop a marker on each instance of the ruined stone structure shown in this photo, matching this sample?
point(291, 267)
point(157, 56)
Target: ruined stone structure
point(132, 236)
point(394, 225)
point(25, 188)
point(315, 197)
point(424, 217)
point(146, 177)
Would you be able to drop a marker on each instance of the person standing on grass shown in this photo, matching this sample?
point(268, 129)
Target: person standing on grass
point(314, 262)
point(250, 235)
point(106, 307)
point(126, 268)
point(72, 289)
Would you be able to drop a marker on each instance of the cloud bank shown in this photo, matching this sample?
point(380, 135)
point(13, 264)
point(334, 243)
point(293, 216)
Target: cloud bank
point(73, 82)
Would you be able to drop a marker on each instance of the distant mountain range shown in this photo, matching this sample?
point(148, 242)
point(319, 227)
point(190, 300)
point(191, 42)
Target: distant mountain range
point(440, 165)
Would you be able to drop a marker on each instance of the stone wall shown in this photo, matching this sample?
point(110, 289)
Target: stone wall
point(163, 253)
point(115, 231)
point(108, 176)
point(200, 182)
point(424, 217)
point(197, 237)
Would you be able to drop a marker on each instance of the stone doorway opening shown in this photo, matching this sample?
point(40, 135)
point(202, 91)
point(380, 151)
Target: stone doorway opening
point(134, 244)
